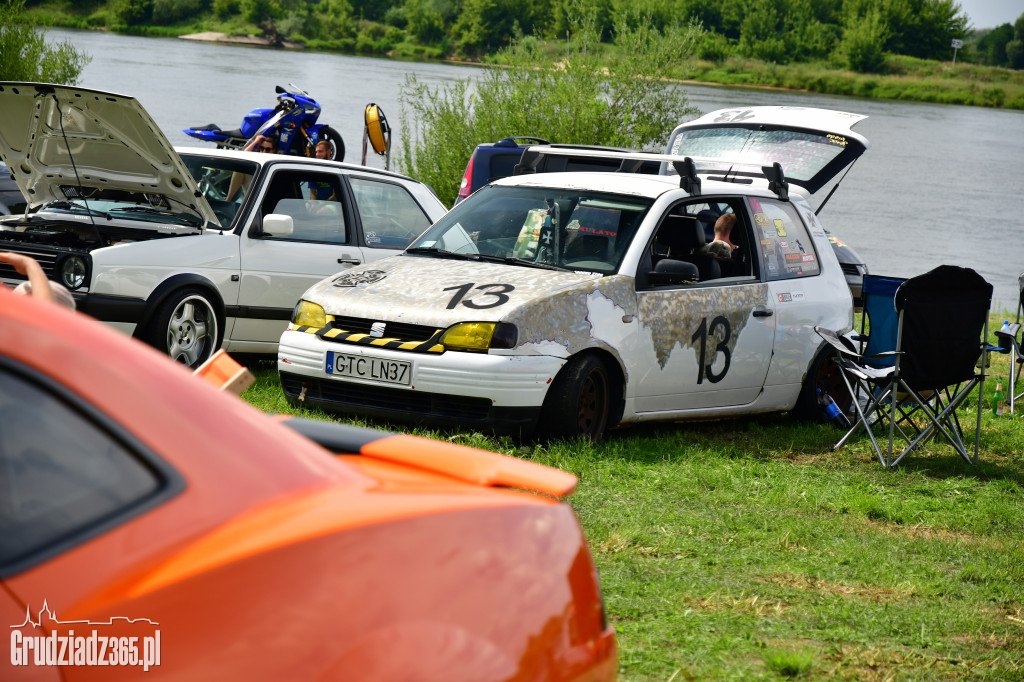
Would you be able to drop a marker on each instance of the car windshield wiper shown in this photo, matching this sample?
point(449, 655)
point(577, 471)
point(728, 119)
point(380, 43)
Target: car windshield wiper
point(151, 210)
point(441, 253)
point(78, 208)
point(511, 260)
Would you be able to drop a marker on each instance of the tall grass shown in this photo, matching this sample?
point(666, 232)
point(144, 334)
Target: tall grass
point(746, 549)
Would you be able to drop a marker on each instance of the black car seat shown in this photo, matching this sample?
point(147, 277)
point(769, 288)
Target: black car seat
point(684, 237)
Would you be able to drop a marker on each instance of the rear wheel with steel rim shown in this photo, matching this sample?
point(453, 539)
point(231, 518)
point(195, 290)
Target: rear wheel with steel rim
point(186, 327)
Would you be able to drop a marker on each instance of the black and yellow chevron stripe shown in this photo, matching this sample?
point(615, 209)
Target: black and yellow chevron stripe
point(329, 333)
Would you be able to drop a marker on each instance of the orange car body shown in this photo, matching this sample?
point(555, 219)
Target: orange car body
point(266, 556)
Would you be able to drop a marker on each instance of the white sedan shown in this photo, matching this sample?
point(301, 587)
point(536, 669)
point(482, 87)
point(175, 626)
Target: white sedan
point(188, 249)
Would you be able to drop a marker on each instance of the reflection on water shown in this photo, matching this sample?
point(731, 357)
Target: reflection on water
point(940, 184)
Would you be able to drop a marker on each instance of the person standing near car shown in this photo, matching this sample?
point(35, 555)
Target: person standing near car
point(260, 143)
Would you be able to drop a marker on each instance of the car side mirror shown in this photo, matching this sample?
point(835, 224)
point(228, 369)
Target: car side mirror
point(278, 225)
point(670, 271)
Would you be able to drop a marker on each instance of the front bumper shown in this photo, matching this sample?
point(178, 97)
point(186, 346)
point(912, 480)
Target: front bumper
point(501, 393)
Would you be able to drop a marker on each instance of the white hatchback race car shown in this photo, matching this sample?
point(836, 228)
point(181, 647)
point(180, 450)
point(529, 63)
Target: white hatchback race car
point(188, 249)
point(561, 304)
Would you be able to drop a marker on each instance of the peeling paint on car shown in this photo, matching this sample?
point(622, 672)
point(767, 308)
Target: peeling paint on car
point(669, 314)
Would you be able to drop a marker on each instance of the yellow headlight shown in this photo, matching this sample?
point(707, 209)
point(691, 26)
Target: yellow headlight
point(469, 336)
point(308, 314)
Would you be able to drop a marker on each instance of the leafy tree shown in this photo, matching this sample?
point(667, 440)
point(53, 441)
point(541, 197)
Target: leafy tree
point(1015, 48)
point(166, 12)
point(428, 19)
point(133, 12)
point(863, 44)
point(566, 16)
point(923, 28)
point(991, 47)
point(259, 11)
point(763, 33)
point(226, 8)
point(485, 25)
point(25, 55)
point(583, 98)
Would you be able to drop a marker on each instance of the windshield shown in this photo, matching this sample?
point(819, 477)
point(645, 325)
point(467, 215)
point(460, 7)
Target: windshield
point(224, 183)
point(567, 229)
point(803, 155)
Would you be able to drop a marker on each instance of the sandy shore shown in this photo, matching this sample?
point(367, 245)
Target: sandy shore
point(256, 41)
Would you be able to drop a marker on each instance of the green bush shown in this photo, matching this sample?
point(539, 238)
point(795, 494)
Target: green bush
point(713, 47)
point(224, 9)
point(25, 54)
point(583, 98)
point(863, 43)
point(133, 12)
point(173, 11)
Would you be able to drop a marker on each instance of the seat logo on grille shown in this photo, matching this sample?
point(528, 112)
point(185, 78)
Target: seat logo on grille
point(367, 277)
point(377, 329)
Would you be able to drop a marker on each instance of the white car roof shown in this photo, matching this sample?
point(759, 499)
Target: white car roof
point(635, 184)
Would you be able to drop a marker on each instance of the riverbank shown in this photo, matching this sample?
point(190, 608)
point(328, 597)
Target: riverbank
point(904, 78)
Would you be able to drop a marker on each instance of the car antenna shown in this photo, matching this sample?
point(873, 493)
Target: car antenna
point(44, 90)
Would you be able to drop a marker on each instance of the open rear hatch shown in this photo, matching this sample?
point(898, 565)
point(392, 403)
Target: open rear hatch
point(813, 146)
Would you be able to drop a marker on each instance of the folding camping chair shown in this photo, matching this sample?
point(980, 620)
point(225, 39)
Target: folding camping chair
point(1014, 347)
point(941, 330)
point(877, 337)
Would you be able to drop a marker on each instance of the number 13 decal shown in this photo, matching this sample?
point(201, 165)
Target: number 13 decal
point(499, 292)
point(702, 333)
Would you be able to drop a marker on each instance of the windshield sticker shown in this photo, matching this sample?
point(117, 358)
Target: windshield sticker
point(355, 279)
point(808, 258)
point(756, 205)
point(780, 228)
point(837, 139)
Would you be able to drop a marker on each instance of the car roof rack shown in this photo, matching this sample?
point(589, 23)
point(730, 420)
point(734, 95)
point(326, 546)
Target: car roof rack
point(686, 167)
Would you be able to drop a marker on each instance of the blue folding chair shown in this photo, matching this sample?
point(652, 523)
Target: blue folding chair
point(879, 324)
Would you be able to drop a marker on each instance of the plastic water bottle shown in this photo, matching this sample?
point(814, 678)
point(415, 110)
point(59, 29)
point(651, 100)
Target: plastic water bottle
point(999, 401)
point(1005, 336)
point(832, 410)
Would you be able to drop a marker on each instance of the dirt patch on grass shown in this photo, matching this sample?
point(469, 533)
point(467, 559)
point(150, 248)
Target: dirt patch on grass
point(869, 593)
point(918, 532)
point(754, 606)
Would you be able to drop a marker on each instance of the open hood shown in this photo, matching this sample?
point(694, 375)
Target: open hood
point(65, 143)
point(813, 145)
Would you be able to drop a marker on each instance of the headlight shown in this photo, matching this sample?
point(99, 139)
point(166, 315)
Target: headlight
point(308, 314)
point(479, 336)
point(73, 271)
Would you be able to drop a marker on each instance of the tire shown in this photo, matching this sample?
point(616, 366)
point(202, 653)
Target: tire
point(825, 374)
point(186, 327)
point(337, 144)
point(578, 405)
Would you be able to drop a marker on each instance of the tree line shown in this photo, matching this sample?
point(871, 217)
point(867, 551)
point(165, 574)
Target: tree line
point(853, 34)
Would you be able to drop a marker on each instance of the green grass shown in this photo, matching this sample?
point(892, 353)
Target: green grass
point(745, 549)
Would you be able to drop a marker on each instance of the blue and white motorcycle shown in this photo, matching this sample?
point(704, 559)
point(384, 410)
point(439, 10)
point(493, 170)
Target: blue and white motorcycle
point(293, 121)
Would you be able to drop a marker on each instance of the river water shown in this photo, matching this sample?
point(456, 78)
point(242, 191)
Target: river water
point(940, 184)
